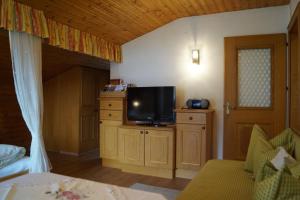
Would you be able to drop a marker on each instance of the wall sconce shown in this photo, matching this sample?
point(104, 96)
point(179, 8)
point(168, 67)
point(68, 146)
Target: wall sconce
point(196, 56)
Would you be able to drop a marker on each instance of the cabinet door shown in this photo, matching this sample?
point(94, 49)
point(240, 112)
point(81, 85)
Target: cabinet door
point(89, 128)
point(190, 146)
point(131, 146)
point(159, 147)
point(109, 139)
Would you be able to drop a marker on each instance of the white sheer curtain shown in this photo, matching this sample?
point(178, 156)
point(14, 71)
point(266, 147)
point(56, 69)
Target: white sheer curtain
point(26, 56)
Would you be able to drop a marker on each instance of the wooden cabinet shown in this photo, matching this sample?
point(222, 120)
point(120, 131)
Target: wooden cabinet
point(193, 140)
point(136, 149)
point(111, 115)
point(159, 147)
point(131, 146)
point(71, 111)
point(109, 139)
point(150, 149)
point(190, 140)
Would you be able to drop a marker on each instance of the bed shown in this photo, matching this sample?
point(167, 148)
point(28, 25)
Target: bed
point(19, 167)
point(53, 186)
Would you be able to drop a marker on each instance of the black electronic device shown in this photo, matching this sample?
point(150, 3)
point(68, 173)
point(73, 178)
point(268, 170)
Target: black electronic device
point(197, 103)
point(151, 105)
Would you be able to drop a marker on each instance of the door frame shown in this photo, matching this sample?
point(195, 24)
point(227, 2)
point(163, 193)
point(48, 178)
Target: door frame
point(234, 92)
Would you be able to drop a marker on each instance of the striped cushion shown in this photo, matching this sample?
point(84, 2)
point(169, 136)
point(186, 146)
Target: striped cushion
point(276, 185)
point(284, 139)
point(262, 160)
point(257, 132)
point(267, 170)
point(261, 153)
point(296, 139)
point(295, 169)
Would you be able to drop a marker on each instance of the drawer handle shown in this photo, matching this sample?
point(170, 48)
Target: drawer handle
point(146, 132)
point(100, 122)
point(141, 132)
point(109, 114)
point(109, 105)
point(203, 128)
point(190, 118)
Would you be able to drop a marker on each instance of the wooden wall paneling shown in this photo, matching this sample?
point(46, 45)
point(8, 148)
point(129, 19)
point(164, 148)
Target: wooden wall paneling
point(120, 21)
point(12, 126)
point(51, 109)
point(71, 122)
point(63, 112)
point(13, 129)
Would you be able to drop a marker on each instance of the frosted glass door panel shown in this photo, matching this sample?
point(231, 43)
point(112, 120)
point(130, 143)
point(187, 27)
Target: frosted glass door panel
point(254, 78)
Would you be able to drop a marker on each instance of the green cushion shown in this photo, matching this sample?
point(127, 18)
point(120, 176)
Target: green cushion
point(296, 139)
point(262, 160)
point(295, 169)
point(284, 139)
point(261, 152)
point(277, 185)
point(267, 170)
point(256, 133)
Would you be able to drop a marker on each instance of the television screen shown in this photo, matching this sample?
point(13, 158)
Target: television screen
point(151, 104)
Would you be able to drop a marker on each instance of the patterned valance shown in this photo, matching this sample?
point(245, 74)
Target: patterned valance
point(73, 39)
point(22, 18)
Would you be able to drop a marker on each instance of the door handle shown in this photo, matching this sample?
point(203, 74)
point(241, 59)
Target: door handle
point(228, 108)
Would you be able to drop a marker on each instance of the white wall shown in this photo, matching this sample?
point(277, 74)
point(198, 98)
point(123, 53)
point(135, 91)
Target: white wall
point(163, 56)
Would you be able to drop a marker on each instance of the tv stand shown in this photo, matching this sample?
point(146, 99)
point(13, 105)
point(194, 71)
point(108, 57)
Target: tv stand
point(147, 150)
point(160, 125)
point(150, 150)
point(137, 148)
point(155, 125)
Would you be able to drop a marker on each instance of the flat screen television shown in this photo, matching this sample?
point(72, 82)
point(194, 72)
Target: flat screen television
point(151, 105)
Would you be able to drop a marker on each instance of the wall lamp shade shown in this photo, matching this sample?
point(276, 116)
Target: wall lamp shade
point(196, 56)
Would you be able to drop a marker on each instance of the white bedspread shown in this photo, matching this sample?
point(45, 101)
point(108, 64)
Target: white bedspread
point(19, 166)
point(52, 186)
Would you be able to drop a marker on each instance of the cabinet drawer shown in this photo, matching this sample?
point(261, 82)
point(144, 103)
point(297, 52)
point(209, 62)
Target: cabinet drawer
point(111, 104)
point(191, 118)
point(111, 115)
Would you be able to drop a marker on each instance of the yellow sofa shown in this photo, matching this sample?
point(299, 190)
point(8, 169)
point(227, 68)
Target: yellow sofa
point(220, 180)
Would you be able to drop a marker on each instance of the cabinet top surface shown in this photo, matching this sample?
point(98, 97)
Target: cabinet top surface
point(186, 110)
point(112, 94)
point(160, 128)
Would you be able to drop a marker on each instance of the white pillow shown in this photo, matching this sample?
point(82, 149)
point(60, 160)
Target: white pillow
point(282, 159)
point(10, 154)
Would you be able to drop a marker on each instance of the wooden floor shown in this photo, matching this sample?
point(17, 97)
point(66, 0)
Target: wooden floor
point(88, 167)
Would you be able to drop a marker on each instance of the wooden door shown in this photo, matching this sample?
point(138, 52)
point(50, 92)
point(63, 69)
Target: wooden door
point(131, 146)
point(190, 146)
point(255, 89)
point(109, 139)
point(159, 147)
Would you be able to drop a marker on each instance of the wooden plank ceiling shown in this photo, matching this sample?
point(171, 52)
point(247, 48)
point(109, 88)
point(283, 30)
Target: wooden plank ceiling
point(120, 21)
